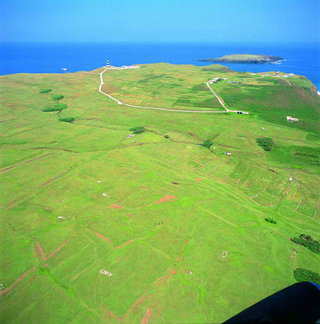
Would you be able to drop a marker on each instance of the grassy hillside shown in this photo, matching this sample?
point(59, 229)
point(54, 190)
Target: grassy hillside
point(182, 88)
point(180, 227)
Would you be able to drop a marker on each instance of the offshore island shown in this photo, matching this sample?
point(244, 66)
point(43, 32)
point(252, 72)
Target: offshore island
point(245, 58)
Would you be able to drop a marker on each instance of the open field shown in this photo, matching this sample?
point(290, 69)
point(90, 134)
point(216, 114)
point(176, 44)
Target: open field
point(180, 227)
point(183, 88)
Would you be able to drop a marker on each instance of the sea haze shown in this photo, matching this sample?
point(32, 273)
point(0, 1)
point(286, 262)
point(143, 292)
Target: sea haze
point(303, 59)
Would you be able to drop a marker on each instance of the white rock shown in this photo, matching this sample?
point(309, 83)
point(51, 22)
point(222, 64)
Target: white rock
point(105, 272)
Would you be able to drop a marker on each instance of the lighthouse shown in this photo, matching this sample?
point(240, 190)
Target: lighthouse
point(108, 63)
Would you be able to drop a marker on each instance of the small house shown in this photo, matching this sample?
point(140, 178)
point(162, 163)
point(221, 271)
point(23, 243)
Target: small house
point(292, 119)
point(214, 80)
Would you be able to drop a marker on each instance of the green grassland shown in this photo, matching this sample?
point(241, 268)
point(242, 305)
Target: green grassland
point(182, 88)
point(82, 196)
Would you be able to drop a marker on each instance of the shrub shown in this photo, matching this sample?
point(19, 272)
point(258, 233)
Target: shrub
point(137, 130)
point(306, 275)
point(45, 90)
point(270, 220)
point(51, 109)
point(166, 136)
point(308, 242)
point(57, 107)
point(306, 237)
point(67, 119)
point(57, 97)
point(265, 142)
point(207, 143)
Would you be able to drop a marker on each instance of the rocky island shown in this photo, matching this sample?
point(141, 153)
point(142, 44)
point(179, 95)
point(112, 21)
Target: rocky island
point(245, 58)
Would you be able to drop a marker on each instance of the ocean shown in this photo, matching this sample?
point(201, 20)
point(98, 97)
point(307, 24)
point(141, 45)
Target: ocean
point(52, 57)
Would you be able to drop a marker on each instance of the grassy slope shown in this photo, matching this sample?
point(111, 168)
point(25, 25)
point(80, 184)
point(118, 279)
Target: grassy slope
point(183, 88)
point(220, 204)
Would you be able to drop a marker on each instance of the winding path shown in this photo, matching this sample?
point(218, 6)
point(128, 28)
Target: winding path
point(287, 81)
point(165, 109)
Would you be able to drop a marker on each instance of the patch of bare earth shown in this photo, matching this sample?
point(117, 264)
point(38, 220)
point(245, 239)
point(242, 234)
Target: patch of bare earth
point(143, 187)
point(110, 241)
point(124, 244)
point(165, 198)
point(103, 237)
point(164, 279)
point(58, 249)
point(146, 316)
point(40, 252)
point(117, 206)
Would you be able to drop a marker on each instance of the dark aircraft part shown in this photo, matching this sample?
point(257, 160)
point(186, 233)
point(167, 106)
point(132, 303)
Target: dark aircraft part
point(299, 303)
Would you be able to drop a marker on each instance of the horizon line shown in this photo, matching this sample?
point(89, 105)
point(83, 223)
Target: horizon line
point(159, 42)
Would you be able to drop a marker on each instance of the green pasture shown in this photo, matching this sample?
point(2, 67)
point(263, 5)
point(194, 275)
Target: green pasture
point(181, 227)
point(162, 85)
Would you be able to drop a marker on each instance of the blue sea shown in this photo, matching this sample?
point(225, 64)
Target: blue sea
point(52, 57)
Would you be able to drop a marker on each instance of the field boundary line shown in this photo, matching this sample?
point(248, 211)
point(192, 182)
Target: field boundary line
point(222, 219)
point(56, 250)
point(11, 203)
point(18, 281)
point(109, 241)
point(23, 162)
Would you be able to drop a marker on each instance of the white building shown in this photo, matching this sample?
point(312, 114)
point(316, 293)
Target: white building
point(214, 80)
point(292, 119)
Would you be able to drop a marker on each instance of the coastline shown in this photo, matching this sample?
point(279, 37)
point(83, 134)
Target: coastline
point(301, 59)
point(64, 71)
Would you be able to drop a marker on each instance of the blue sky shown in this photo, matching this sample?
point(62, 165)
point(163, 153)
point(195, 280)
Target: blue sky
point(161, 20)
